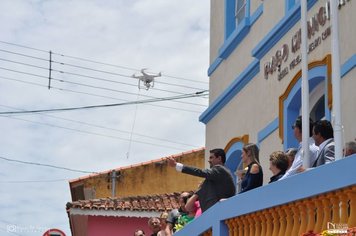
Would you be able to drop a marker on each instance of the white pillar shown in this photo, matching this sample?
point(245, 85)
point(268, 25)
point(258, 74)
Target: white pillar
point(336, 110)
point(305, 83)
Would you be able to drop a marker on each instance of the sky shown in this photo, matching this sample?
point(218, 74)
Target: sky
point(96, 47)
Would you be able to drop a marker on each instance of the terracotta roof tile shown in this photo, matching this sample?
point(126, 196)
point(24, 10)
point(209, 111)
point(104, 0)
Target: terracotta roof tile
point(138, 164)
point(157, 203)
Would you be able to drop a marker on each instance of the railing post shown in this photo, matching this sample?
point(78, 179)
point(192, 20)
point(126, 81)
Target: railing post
point(351, 193)
point(327, 211)
point(275, 218)
point(263, 223)
point(245, 223)
point(282, 221)
point(240, 226)
point(311, 215)
point(319, 215)
point(257, 224)
point(251, 225)
point(343, 206)
point(303, 217)
point(269, 223)
point(296, 223)
point(289, 218)
point(335, 208)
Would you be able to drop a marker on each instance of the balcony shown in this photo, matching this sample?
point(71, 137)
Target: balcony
point(314, 200)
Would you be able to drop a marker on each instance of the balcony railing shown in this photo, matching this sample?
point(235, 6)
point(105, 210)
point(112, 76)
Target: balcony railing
point(314, 200)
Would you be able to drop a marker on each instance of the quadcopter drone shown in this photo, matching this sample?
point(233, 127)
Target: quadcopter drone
point(147, 79)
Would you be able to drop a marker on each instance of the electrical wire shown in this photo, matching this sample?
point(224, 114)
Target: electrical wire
point(107, 128)
point(81, 84)
point(85, 93)
point(201, 93)
point(47, 165)
point(93, 61)
point(91, 69)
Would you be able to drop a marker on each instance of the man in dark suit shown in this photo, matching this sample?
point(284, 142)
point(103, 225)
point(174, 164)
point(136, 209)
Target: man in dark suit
point(218, 183)
point(323, 135)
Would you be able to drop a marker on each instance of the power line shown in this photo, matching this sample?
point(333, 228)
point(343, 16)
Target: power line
point(80, 84)
point(93, 61)
point(91, 69)
point(47, 165)
point(85, 93)
point(201, 93)
point(96, 95)
point(106, 128)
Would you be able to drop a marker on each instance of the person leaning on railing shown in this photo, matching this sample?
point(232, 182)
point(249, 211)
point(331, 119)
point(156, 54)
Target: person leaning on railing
point(278, 164)
point(254, 175)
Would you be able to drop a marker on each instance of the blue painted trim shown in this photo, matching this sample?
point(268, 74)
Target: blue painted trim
point(348, 65)
point(256, 14)
point(236, 36)
point(230, 23)
point(235, 87)
point(293, 103)
point(214, 65)
point(279, 31)
point(233, 157)
point(288, 5)
point(267, 130)
point(312, 183)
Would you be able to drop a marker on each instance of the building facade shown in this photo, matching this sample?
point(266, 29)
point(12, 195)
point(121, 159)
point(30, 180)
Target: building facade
point(255, 73)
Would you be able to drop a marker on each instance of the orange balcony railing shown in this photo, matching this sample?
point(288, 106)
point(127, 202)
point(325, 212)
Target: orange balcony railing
point(314, 200)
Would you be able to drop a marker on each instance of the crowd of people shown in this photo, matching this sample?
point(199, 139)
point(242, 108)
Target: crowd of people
point(218, 183)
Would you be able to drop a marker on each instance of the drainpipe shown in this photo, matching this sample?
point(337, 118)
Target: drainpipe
point(113, 183)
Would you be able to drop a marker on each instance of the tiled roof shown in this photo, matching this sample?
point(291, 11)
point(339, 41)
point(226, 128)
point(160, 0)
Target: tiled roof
point(157, 203)
point(139, 164)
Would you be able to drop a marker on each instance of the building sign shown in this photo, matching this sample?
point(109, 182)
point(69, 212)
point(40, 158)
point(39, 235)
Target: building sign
point(318, 31)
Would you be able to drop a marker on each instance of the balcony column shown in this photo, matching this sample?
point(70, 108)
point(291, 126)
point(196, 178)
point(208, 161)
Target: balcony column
point(351, 193)
point(335, 208)
point(240, 226)
point(263, 223)
point(269, 223)
point(289, 218)
point(311, 215)
point(319, 215)
point(230, 226)
point(246, 226)
point(275, 217)
point(251, 223)
point(343, 207)
point(296, 222)
point(327, 212)
point(303, 217)
point(256, 219)
point(282, 221)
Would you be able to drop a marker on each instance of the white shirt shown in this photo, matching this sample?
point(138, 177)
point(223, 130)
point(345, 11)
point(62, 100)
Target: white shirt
point(298, 159)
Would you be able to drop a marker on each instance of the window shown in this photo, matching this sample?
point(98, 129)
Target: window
point(240, 9)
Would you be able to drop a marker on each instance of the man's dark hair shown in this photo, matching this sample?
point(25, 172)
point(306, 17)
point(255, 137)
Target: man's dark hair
point(218, 152)
point(298, 123)
point(324, 128)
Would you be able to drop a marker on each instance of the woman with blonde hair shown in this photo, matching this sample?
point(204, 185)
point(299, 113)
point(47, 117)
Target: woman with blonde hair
point(254, 175)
